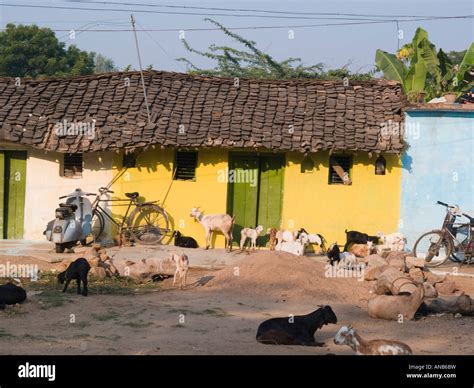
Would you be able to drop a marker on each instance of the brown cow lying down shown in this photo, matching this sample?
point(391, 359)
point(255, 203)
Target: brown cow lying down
point(297, 330)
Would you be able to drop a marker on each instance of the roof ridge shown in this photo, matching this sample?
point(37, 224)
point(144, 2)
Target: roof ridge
point(171, 74)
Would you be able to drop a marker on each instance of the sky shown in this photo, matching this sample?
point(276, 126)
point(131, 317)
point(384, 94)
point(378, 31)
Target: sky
point(334, 46)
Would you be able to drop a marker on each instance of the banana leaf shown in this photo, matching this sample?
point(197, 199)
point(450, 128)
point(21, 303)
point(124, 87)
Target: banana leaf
point(466, 64)
point(415, 78)
point(391, 67)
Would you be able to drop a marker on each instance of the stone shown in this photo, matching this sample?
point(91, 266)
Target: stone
point(447, 287)
point(375, 261)
point(430, 291)
point(416, 274)
point(433, 278)
point(373, 273)
point(412, 261)
point(395, 255)
point(398, 263)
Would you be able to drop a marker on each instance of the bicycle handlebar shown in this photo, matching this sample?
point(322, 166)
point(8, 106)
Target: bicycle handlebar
point(105, 190)
point(442, 203)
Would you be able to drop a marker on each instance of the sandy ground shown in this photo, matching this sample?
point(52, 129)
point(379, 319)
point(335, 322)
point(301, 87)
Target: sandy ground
point(218, 313)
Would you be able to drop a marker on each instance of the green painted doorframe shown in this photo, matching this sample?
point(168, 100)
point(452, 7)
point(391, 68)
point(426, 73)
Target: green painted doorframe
point(12, 193)
point(257, 201)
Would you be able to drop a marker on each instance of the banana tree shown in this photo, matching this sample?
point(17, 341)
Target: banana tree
point(412, 67)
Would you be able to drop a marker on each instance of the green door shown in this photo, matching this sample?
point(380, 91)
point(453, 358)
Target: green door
point(243, 192)
point(255, 192)
point(14, 179)
point(270, 193)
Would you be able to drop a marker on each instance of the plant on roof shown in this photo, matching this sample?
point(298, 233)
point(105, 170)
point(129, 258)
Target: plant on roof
point(252, 62)
point(424, 72)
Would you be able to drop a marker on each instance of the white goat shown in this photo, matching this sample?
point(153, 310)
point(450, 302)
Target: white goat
point(348, 336)
point(182, 267)
point(396, 241)
point(284, 235)
point(252, 234)
point(348, 260)
point(215, 222)
point(295, 247)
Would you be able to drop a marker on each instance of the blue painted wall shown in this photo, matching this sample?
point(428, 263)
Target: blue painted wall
point(438, 165)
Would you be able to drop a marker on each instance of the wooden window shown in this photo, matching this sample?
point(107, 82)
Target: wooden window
point(72, 166)
point(340, 170)
point(185, 165)
point(129, 160)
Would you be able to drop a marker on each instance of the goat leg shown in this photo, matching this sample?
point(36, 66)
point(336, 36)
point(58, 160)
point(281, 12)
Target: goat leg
point(78, 281)
point(66, 285)
point(174, 277)
point(84, 286)
point(208, 238)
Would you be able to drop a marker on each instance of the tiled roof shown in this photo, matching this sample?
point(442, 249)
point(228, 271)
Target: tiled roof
point(195, 111)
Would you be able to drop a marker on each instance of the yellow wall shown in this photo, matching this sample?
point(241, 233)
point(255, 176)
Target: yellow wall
point(152, 178)
point(370, 204)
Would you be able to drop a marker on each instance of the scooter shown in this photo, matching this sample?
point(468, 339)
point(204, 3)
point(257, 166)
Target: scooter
point(72, 223)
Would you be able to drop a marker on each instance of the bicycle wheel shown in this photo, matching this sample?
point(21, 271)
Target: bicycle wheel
point(434, 248)
point(460, 243)
point(148, 224)
point(97, 228)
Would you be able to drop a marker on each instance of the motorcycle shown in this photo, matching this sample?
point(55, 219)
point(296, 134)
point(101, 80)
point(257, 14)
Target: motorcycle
point(72, 223)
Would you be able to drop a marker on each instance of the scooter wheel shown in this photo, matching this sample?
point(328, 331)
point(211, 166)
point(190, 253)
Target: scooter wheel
point(60, 248)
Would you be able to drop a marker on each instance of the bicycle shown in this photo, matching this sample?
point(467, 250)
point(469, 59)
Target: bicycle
point(455, 239)
point(147, 223)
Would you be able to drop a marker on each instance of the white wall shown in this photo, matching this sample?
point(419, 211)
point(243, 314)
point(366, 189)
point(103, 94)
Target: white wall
point(44, 185)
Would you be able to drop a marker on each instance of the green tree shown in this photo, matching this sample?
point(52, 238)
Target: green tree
point(36, 52)
point(102, 64)
point(251, 62)
point(423, 71)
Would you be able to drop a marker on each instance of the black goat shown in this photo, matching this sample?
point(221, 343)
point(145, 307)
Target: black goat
point(77, 270)
point(334, 254)
point(184, 242)
point(354, 237)
point(11, 294)
point(298, 330)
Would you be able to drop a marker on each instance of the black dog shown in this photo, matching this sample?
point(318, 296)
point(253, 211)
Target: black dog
point(298, 330)
point(184, 242)
point(77, 270)
point(11, 294)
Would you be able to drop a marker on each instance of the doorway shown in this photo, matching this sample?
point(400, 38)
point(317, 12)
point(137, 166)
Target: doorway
point(12, 193)
point(255, 192)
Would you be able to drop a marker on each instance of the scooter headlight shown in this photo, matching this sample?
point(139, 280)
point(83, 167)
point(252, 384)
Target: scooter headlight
point(58, 229)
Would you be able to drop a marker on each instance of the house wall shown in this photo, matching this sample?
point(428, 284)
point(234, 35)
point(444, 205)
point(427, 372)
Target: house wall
point(370, 204)
point(438, 165)
point(44, 185)
point(152, 178)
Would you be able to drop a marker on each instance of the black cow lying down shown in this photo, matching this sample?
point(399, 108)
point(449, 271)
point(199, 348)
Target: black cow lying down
point(11, 294)
point(297, 330)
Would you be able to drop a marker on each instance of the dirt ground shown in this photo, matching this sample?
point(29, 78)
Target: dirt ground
point(217, 313)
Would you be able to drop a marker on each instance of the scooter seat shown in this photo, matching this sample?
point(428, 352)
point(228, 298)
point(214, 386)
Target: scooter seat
point(133, 195)
point(71, 206)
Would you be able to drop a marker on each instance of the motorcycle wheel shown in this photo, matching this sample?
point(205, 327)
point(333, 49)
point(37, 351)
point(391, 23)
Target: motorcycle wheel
point(60, 248)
